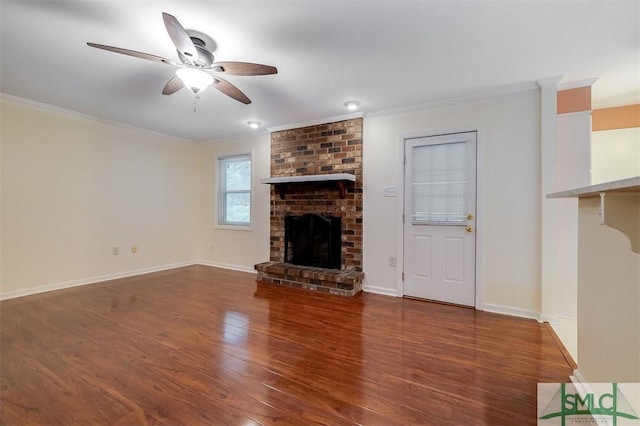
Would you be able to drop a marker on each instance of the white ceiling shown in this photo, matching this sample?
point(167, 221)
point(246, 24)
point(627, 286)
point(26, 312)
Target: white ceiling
point(386, 54)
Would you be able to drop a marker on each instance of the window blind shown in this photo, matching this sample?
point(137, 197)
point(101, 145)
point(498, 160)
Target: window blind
point(439, 180)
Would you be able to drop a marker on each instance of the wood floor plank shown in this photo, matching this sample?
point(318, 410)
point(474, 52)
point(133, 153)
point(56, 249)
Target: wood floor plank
point(201, 345)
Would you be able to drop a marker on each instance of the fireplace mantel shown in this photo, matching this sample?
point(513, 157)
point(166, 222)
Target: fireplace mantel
point(282, 182)
point(327, 177)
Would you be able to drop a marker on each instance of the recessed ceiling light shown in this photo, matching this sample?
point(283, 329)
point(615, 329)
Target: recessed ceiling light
point(352, 105)
point(254, 124)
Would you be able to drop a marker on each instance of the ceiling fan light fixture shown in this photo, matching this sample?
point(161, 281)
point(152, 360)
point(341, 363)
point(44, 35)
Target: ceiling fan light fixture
point(352, 105)
point(194, 78)
point(254, 124)
point(196, 58)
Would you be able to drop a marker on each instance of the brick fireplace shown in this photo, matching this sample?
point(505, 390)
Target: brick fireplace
point(316, 172)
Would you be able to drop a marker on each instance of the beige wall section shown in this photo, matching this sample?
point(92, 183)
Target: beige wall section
point(73, 187)
point(236, 248)
point(615, 154)
point(574, 100)
point(623, 117)
point(608, 301)
point(509, 203)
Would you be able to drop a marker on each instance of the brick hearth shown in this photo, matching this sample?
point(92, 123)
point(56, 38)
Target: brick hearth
point(322, 149)
point(333, 281)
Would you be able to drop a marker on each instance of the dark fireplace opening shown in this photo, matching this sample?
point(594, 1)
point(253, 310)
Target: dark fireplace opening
point(312, 240)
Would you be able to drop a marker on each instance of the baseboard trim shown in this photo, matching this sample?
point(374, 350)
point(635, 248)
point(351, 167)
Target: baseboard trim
point(551, 319)
point(509, 310)
point(232, 267)
point(379, 290)
point(584, 388)
point(498, 309)
point(563, 349)
point(92, 280)
point(578, 379)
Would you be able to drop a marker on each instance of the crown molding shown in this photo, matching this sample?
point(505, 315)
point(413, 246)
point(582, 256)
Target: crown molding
point(325, 120)
point(577, 84)
point(523, 87)
point(549, 81)
point(236, 138)
point(82, 115)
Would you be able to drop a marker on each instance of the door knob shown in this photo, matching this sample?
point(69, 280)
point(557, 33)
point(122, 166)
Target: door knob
point(469, 228)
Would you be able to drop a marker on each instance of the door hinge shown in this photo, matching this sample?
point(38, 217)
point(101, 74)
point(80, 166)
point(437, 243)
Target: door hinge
point(404, 160)
point(402, 217)
point(403, 276)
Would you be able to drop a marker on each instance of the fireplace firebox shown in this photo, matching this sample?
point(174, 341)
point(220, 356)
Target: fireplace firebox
point(313, 240)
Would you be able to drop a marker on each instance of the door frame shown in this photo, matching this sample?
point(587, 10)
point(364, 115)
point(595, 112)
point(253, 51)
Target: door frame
point(480, 220)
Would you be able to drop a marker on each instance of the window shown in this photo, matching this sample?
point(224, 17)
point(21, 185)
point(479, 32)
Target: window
point(234, 202)
point(439, 183)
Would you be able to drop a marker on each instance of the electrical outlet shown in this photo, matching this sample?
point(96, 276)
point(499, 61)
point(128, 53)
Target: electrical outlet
point(134, 248)
point(115, 250)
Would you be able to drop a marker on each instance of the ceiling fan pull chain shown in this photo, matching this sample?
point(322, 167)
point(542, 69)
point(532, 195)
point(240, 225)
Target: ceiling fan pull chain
point(195, 98)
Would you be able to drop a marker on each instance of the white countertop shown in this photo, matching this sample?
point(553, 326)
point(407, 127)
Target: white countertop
point(624, 185)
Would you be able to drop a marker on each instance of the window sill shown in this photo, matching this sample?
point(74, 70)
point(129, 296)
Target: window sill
point(233, 227)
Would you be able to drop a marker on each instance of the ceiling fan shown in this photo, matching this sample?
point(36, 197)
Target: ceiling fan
point(195, 64)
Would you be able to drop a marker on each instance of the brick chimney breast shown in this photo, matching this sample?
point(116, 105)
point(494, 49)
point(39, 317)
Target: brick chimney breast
point(320, 149)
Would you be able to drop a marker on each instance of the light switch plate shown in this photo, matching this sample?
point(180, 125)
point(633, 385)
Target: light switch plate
point(390, 191)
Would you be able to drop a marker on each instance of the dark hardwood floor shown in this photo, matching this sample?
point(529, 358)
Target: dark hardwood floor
point(200, 345)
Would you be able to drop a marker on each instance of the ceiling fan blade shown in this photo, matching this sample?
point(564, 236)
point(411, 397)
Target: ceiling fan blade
point(133, 53)
point(230, 90)
point(244, 68)
point(172, 86)
point(179, 36)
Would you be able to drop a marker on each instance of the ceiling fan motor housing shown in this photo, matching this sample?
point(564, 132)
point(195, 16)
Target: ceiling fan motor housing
point(205, 58)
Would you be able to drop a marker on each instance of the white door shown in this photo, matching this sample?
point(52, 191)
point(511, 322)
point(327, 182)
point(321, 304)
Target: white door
point(439, 218)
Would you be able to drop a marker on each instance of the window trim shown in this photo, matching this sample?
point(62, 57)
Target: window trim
point(221, 189)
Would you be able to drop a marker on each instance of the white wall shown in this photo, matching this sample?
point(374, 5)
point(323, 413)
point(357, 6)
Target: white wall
point(615, 154)
point(509, 196)
point(574, 151)
point(573, 171)
point(236, 247)
point(74, 187)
